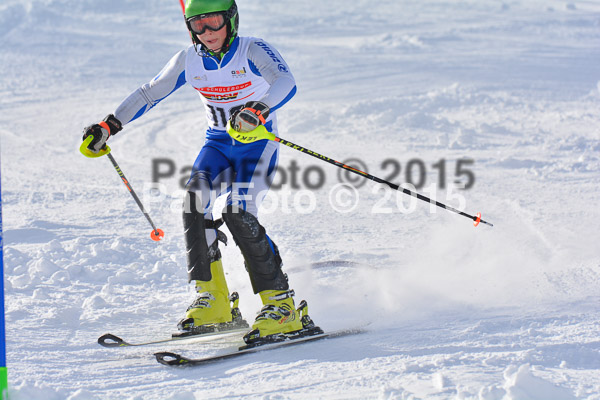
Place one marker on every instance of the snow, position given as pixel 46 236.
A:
pixel 453 311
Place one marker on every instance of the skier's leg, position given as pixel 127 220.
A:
pixel 261 255
pixel 263 264
pixel 210 176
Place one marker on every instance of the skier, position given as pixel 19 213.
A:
pixel 242 81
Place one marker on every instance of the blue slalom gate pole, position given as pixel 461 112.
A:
pixel 3 374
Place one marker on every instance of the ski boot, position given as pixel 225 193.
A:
pixel 211 310
pixel 279 320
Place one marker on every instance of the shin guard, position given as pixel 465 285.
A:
pixel 199 254
pixel 260 253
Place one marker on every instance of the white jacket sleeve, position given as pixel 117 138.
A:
pixel 273 68
pixel 171 78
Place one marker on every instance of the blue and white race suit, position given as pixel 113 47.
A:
pixel 252 70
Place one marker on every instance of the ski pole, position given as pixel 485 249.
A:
pixel 261 133
pixel 156 234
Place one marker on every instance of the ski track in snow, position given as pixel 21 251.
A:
pixel 509 312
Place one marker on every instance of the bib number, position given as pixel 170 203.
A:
pixel 219 114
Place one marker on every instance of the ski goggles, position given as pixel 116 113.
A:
pixel 200 23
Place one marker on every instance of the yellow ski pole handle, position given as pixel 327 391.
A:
pixel 261 133
pixel 90 154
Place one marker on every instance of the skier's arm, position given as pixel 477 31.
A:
pixel 171 78
pixel 266 61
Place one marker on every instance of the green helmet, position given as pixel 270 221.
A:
pixel 195 8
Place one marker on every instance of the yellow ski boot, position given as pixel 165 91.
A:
pixel 211 310
pixel 279 320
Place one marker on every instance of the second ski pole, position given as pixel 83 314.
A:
pixel 261 133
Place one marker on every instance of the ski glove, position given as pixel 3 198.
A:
pixel 101 132
pixel 250 117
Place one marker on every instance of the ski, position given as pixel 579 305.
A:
pixel 173 359
pixel 187 330
pixel 109 340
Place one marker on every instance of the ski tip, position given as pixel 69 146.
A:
pixel 110 340
pixel 167 358
pixel 157 235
